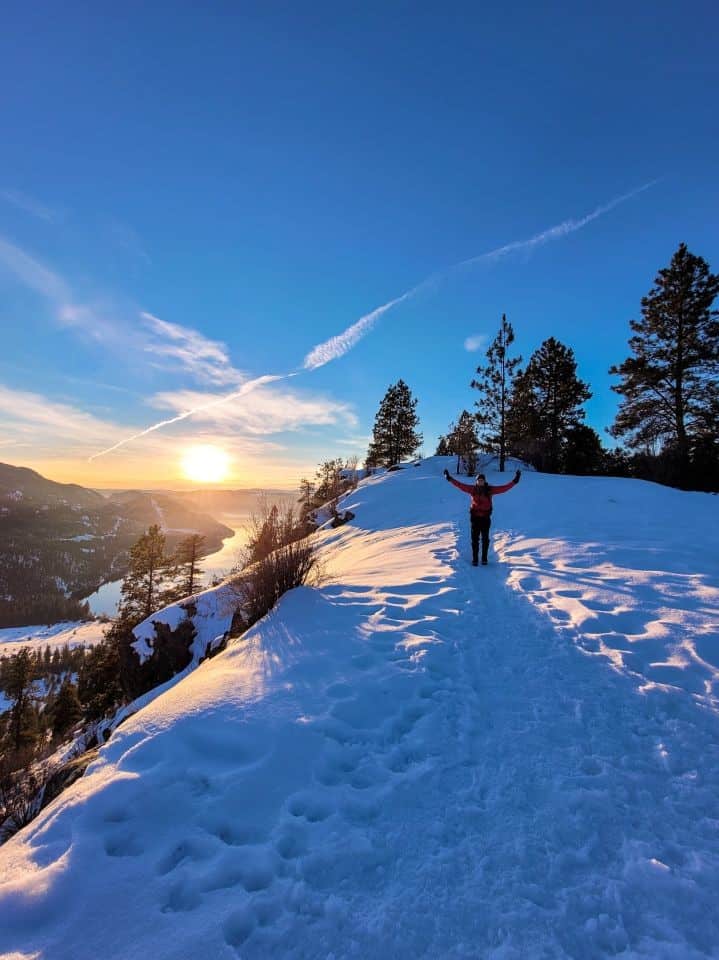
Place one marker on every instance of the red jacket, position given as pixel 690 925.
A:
pixel 481 504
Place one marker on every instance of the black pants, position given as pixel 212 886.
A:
pixel 480 525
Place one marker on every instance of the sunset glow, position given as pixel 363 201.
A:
pixel 205 464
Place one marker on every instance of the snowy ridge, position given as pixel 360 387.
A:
pixel 71 633
pixel 413 760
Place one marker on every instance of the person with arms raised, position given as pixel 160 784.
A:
pixel 480 511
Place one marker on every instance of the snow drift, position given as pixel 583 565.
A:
pixel 419 758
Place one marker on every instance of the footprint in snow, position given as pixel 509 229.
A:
pixel 182 898
pixel 292 842
pixel 312 807
pixel 123 845
pixel 186 850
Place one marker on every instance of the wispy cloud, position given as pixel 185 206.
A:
pixel 33 274
pixel 29 205
pixel 110 321
pixel 28 416
pixel 207 361
pixel 475 342
pixel 101 322
pixel 342 343
pixel 264 411
pixel 93 321
pixel 203 407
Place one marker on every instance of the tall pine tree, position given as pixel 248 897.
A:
pixel 66 710
pixel 495 382
pixel 395 434
pixel 19 679
pixel 144 590
pixel 546 405
pixel 185 567
pixel 670 384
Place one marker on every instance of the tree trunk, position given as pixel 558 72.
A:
pixel 502 440
pixel 679 411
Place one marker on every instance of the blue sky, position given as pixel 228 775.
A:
pixel 194 198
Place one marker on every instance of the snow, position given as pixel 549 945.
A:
pixel 68 633
pixel 418 759
pixel 212 616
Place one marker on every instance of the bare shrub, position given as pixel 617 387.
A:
pixel 261 584
pixel 273 526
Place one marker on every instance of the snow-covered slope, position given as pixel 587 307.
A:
pixel 73 634
pixel 420 758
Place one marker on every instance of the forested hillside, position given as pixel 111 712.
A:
pixel 59 542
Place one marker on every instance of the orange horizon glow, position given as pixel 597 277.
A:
pixel 160 473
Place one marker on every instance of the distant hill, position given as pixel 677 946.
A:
pixel 32 486
pixel 231 501
pixel 59 542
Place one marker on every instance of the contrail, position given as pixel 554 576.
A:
pixel 553 233
pixel 244 389
pixel 342 343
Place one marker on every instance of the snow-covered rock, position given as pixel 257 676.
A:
pixel 419 759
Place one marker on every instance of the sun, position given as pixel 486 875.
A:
pixel 205 463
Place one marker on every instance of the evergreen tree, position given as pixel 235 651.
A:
pixel 18 677
pixel 495 382
pixel 546 405
pixel 186 569
pixel 394 435
pixel 328 481
pixel 66 710
pixel 443 447
pixel 99 686
pixel 583 452
pixel 142 589
pixel 463 442
pixel 669 385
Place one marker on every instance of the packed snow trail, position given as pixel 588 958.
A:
pixel 415 761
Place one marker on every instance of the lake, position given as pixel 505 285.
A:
pixel 106 599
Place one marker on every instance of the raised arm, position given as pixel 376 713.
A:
pixel 506 486
pixel 465 487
